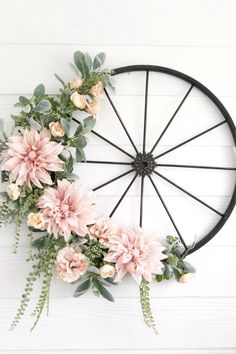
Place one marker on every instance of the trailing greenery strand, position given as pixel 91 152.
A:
pixel 44 266
pixel 4 212
pixel 146 306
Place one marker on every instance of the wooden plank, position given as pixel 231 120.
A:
pixel 160 23
pixel 54 59
pixel 197 323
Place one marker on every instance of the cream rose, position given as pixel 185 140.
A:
pixel 93 108
pixel 56 129
pixel 185 278
pixel 97 90
pixel 107 271
pixel 76 82
pixel 71 264
pixel 78 100
pixel 13 191
pixel 36 220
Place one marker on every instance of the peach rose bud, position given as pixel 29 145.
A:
pixel 93 108
pixel 185 278
pixel 76 82
pixel 107 271
pixel 13 191
pixel 35 220
pixel 56 129
pixel 97 90
pixel 78 100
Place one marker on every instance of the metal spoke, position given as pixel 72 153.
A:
pixel 168 213
pixel 106 140
pixel 171 119
pixel 197 166
pixel 188 140
pixel 123 195
pixel 113 180
pixel 108 162
pixel 141 202
pixel 188 193
pixel 121 121
pixel 145 112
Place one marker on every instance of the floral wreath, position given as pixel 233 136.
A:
pixel 69 238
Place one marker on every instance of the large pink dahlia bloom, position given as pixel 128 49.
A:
pixel 67 208
pixel 31 157
pixel 135 252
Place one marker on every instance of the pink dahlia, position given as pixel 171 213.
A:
pixel 135 252
pixel 31 157
pixel 67 208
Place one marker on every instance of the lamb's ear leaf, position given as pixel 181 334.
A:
pixel 43 106
pixel 102 290
pixel 99 60
pixel 79 61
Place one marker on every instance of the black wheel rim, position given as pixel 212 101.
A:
pixel 144 162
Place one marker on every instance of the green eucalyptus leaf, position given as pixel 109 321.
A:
pixel 66 125
pixel 167 272
pixel 102 290
pixel 43 106
pixel 82 288
pixel 172 260
pixel 39 90
pixel 159 278
pixel 188 268
pixel 80 155
pixel 24 101
pixel 26 108
pixel 80 141
pixel 89 124
pixel 69 165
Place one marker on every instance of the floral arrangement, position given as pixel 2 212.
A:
pixel 65 234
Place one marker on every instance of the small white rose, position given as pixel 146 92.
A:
pixel 93 108
pixel 107 271
pixel 56 129
pixel 76 82
pixel 13 191
pixel 97 90
pixel 185 278
pixel 78 100
pixel 36 220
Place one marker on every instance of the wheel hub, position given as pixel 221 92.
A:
pixel 144 164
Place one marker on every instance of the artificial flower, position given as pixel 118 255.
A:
pixel 67 208
pixel 135 252
pixel 185 278
pixel 107 271
pixel 97 90
pixel 13 191
pixel 102 229
pixel 78 100
pixel 31 157
pixel 56 129
pixel 71 264
pixel 76 82
pixel 93 108
pixel 35 220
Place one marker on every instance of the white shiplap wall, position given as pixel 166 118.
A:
pixel 196 37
